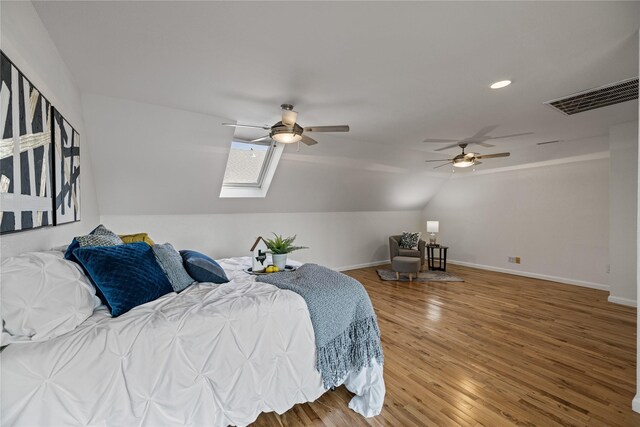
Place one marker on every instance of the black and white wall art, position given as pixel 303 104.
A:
pixel 25 152
pixel 66 170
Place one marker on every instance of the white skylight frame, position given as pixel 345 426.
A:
pixel 261 187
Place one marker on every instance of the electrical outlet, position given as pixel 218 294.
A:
pixel 514 259
pixel 517 260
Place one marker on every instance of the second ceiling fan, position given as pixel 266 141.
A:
pixel 287 131
pixel 481 137
pixel 465 160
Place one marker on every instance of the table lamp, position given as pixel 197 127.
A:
pixel 432 229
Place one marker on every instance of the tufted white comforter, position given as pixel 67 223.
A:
pixel 213 355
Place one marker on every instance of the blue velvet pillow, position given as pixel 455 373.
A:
pixel 126 275
pixel 202 268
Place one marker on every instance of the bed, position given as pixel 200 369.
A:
pixel 212 355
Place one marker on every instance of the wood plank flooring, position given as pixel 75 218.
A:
pixel 496 350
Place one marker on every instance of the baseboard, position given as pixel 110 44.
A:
pixel 635 403
pixel 365 265
pixel 623 301
pixel 564 280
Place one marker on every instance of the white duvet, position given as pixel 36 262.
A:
pixel 212 355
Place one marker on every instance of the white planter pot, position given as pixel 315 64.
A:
pixel 279 260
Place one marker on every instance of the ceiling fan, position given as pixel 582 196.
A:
pixel 287 131
pixel 479 138
pixel 465 160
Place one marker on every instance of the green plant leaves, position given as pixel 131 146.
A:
pixel 279 245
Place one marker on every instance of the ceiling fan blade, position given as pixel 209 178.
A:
pixel 246 126
pixel 308 141
pixel 483 132
pixel 484 144
pixel 447 147
pixel 448 163
pixel 340 128
pixel 262 138
pixel 510 136
pixel 440 140
pixel 548 142
pixel 492 156
pixel 441 160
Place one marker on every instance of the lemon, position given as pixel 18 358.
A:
pixel 269 269
pixel 275 269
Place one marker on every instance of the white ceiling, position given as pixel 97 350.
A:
pixel 397 72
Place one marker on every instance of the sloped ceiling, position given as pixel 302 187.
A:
pixel 397 72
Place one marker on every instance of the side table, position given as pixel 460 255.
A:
pixel 437 263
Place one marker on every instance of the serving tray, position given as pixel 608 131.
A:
pixel 287 268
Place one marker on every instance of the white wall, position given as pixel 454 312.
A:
pixel 556 218
pixel 623 212
pixel 26 42
pixel 340 240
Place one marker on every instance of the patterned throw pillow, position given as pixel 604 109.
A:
pixel 98 240
pixel 99 236
pixel 409 240
pixel 171 262
pixel 101 230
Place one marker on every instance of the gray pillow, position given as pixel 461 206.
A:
pixel 99 240
pixel 100 236
pixel 171 262
pixel 101 230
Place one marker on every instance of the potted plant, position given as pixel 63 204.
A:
pixel 279 248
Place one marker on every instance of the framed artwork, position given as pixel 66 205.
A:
pixel 66 170
pixel 25 152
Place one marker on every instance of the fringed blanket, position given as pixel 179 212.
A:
pixel 344 323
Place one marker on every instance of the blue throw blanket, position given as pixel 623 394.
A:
pixel 344 323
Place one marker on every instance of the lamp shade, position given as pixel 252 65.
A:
pixel 286 137
pixel 433 226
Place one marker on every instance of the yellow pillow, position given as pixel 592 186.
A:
pixel 138 237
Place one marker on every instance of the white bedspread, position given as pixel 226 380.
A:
pixel 213 355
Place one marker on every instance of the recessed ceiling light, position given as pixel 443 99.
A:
pixel 500 84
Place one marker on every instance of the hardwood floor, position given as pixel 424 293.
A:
pixel 496 350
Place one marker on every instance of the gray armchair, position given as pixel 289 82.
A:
pixel 395 250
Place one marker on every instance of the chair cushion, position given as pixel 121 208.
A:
pixel 409 252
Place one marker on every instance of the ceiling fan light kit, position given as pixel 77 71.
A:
pixel 464 160
pixel 287 131
pixel 286 134
pixel 288 115
pixel 463 163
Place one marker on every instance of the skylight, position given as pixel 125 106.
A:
pixel 250 168
pixel 246 163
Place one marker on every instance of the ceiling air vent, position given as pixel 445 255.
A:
pixel 613 93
